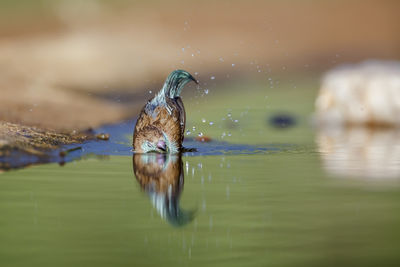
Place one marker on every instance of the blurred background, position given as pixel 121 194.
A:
pixel 300 101
pixel 70 65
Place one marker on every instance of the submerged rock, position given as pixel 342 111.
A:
pixel 103 136
pixel 203 138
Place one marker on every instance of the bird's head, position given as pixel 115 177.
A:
pixel 155 142
pixel 176 81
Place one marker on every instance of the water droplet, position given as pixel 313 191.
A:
pixel 192 55
pixel 150 91
pixel 204 205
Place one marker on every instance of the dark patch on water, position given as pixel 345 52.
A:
pixel 17 159
pixel 282 120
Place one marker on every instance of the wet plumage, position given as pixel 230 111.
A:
pixel 161 124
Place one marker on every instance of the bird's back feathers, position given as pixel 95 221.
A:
pixel 166 113
pixel 168 118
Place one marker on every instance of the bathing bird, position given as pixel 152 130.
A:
pixel 161 124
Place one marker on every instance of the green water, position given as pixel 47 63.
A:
pixel 279 208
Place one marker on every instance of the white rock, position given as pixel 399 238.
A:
pixel 365 94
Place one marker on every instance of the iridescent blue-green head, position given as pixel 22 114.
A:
pixel 175 82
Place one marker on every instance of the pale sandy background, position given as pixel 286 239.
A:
pixel 70 65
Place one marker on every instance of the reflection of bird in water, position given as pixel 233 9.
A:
pixel 161 123
pixel 161 177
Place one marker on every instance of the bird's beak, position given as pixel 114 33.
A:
pixel 161 145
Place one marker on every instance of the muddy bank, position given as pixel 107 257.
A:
pixel 35 140
pixel 18 141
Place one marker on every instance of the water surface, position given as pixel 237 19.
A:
pixel 259 202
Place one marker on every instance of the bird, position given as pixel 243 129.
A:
pixel 160 126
